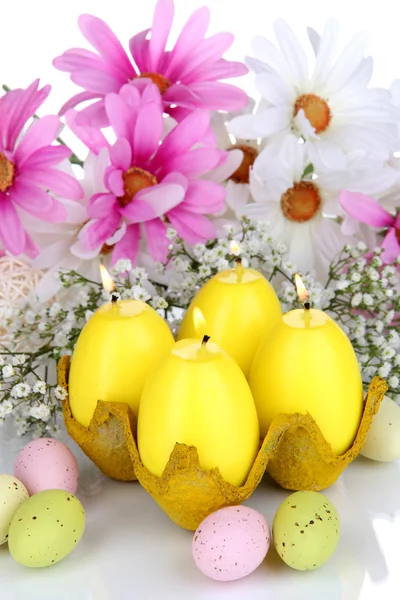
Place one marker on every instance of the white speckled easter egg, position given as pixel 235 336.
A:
pixel 383 440
pixel 46 528
pixel 47 464
pixel 231 543
pixel 306 530
pixel 12 494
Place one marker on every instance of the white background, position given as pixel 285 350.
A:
pixel 33 32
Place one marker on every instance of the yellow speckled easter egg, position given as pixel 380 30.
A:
pixel 306 530
pixel 46 528
pixel 12 494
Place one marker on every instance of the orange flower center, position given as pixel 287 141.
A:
pixel 161 82
pixel 135 179
pixel 301 202
pixel 242 173
pixel 316 110
pixel 106 249
pixel 7 173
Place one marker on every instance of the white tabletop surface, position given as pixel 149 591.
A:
pixel 132 551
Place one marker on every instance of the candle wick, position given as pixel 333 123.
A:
pixel 307 305
pixel 239 268
pixel 205 340
pixel 114 297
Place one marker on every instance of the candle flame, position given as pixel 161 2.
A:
pixel 301 288
pixel 106 279
pixel 234 248
pixel 199 321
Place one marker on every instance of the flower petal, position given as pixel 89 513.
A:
pixel 157 241
pixel 346 64
pixel 121 154
pixel 37 202
pixel 222 69
pixel 122 118
pixel 42 132
pixel 266 123
pixel 162 23
pixel 95 81
pixel 138 46
pixel 100 205
pixel 204 197
pixel 77 99
pixel 365 209
pixel 207 52
pixel 51 255
pixel 77 58
pixel 324 155
pixel 223 171
pixel 191 35
pixel 128 247
pixel 49 156
pixel 115 182
pixel 391 246
pixel 293 53
pixel 196 162
pixel 24 104
pixel 103 39
pixel 94 115
pixel 12 233
pixel 162 197
pixel 191 227
pixel 96 232
pixel 148 132
pixel 219 96
pixel 184 136
pixel 59 183
pixel 92 137
pixel 137 211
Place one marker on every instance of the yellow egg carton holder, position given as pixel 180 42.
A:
pixel 294 453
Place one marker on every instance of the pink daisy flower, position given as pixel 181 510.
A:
pixel 369 211
pixel 188 76
pixel 150 179
pixel 27 168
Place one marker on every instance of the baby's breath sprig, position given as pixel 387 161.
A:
pixel 361 294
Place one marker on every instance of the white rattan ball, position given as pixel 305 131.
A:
pixel 17 281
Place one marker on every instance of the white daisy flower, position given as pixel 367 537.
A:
pixel 299 208
pixel 332 108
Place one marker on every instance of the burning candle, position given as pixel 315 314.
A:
pixel 114 354
pixel 306 363
pixel 198 396
pixel 240 307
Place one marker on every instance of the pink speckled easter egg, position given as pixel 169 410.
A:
pixel 231 543
pixel 47 464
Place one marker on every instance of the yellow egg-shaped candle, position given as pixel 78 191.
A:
pixel 239 306
pixel 307 364
pixel 198 396
pixel 113 356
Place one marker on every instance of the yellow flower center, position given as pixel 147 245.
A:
pixel 161 82
pixel 316 110
pixel 135 179
pixel 301 202
pixel 242 173
pixel 7 173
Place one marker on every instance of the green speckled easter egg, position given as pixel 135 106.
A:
pixel 306 530
pixel 46 528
